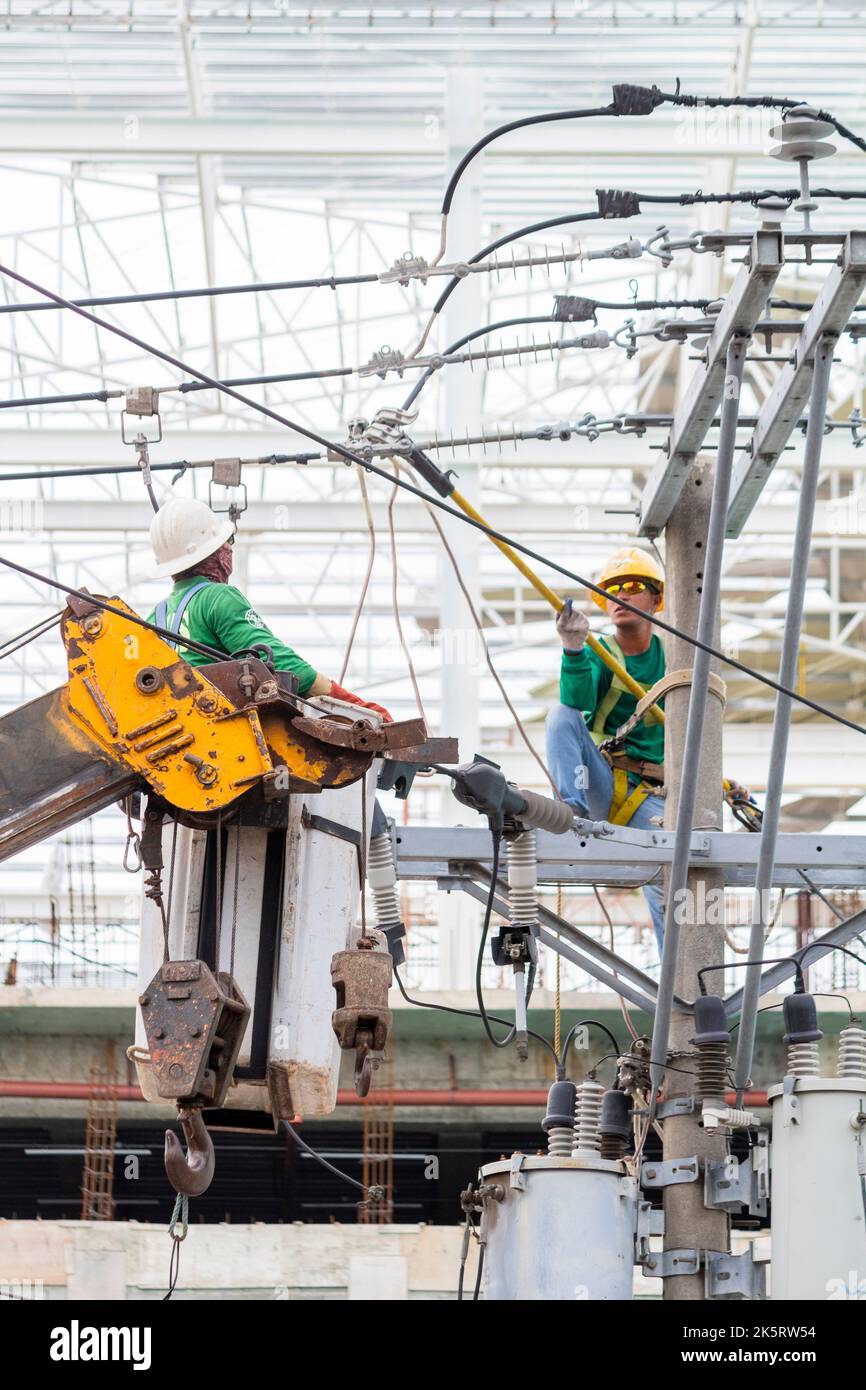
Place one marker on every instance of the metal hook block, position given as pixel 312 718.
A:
pixel 195 1022
pixel 191 1173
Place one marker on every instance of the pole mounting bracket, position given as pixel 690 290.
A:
pixel 671 1172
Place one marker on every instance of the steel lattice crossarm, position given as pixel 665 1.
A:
pixel 625 856
pixel 781 412
pixel 460 859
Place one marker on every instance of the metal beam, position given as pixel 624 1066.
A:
pixel 147 135
pixel 300 516
pixel 604 965
pixel 782 409
pixel 438 852
pixel 742 309
pixel 836 936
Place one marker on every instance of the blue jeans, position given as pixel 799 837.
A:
pixel 585 781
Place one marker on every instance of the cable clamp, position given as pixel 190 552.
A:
pixel 386 360
pixel 226 473
pixel 406 267
pixel 143 403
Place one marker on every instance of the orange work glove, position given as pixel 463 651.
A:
pixel 339 693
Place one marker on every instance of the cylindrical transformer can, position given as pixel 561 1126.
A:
pixel 563 1229
pixel 817 1224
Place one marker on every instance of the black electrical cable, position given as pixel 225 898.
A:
pixel 631 101
pixel 754 195
pixel 782 103
pixel 816 994
pixel 496 836
pixel 185 387
pixel 179 466
pixel 741 965
pixel 338 1172
pixel 9 649
pixel 497 245
pixel 33 402
pixel 163 632
pixel 331 282
pixel 468 338
pixel 480 1271
pixel 30 633
pixel 74 398
pixel 828 946
pixel 585 1022
pixel 467 1013
pixel 460 169
pixel 351 457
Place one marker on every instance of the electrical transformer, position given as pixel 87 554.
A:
pixel 818 1164
pixel 560 1228
pixel 564 1225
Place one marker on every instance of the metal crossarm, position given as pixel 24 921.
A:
pixel 783 407
pixel 742 308
pixel 836 936
pixel 604 965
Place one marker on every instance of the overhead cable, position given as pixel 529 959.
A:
pixel 351 457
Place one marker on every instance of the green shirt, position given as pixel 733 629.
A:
pixel 585 680
pixel 220 616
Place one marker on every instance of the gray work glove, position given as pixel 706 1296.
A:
pixel 572 626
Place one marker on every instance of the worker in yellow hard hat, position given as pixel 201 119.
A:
pixel 605 768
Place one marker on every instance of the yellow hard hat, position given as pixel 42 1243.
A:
pixel 632 563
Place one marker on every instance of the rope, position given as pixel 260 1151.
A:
pixel 365 586
pixel 395 602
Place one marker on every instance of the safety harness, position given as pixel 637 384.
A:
pixel 625 802
pixel 160 613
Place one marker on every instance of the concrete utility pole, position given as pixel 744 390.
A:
pixel 689 1224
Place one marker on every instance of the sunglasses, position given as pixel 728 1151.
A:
pixel 629 587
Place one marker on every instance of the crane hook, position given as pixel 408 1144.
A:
pixel 189 1173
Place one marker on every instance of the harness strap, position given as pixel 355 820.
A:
pixel 161 610
pixel 671 681
pixel 611 696
pixel 624 803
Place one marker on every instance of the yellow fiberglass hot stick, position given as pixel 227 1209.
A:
pixel 556 603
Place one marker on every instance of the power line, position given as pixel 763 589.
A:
pixel 343 452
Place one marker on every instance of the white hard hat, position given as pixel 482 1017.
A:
pixel 185 531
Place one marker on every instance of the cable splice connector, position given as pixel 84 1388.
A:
pixel 617 202
pixel 573 308
pixel 629 100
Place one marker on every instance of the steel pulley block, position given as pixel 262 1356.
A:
pixel 195 1022
pixel 362 1021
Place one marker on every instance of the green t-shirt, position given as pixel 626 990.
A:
pixel 220 616
pixel 585 680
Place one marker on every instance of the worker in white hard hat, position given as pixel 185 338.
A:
pixel 605 764
pixel 193 546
